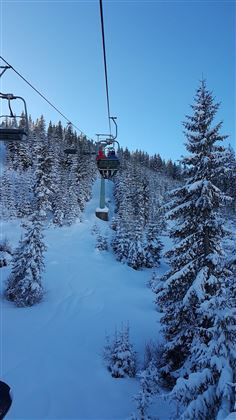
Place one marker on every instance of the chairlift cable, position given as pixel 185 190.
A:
pixel 50 103
pixel 105 64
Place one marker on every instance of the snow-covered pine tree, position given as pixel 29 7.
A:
pixel 196 276
pixel 121 241
pixel 12 148
pixel 72 209
pixel 59 204
pixel 148 383
pixel 119 355
pixel 43 186
pixel 24 286
pixel 156 163
pixel 152 245
pixel 207 390
pixel 148 388
pixel 55 154
pixel 136 255
pixel 24 152
pixel 154 228
pixel 101 241
pixel 138 220
pixel 8 204
pixel 23 194
pixel 123 232
pixel 85 175
pixel 228 181
pixel 60 200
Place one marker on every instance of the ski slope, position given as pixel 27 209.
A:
pixel 51 354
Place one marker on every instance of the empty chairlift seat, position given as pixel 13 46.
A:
pixel 8 131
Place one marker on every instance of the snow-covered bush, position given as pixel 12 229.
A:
pixel 101 243
pixel 95 229
pixel 119 355
pixel 148 383
pixel 148 388
pixel 5 252
pixel 101 239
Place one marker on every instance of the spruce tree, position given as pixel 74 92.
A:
pixel 136 255
pixel 148 388
pixel 24 286
pixel 43 186
pixel 101 242
pixel 207 391
pixel 193 284
pixel 152 245
pixel 8 202
pixel 228 181
pixel 119 355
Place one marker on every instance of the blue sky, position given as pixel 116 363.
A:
pixel 157 52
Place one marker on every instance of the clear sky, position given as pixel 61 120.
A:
pixel 157 51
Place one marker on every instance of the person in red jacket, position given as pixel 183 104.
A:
pixel 100 155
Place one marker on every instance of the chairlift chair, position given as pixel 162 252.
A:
pixel 108 164
pixel 69 150
pixel 14 133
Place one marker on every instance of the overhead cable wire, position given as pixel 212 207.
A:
pixel 44 97
pixel 105 64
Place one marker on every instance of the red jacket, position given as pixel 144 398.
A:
pixel 100 155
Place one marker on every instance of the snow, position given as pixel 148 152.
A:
pixel 104 209
pixel 231 416
pixel 51 353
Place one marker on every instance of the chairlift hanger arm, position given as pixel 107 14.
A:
pixel 9 97
pixel 114 121
pixel 4 68
pixel 109 137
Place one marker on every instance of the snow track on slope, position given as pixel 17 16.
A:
pixel 52 352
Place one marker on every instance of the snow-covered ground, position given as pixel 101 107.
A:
pixel 51 354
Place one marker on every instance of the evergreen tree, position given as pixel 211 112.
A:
pixel 227 182
pixel 8 203
pixel 196 277
pixel 148 388
pixel 207 391
pixel 43 186
pixel 153 245
pixel 119 355
pixel 121 241
pixel 156 163
pixel 148 383
pixel 138 221
pixel 24 286
pixel 72 209
pixel 101 242
pixel 136 255
pixel 22 194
